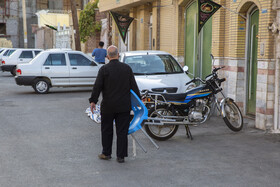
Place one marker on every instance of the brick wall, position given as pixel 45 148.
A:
pixel 229 43
pixel 93 41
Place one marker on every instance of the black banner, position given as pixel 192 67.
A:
pixel 123 23
pixel 206 8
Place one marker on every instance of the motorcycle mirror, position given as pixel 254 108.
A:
pixel 213 59
pixel 186 69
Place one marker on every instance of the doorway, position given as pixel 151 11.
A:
pixel 252 60
pixel 197 45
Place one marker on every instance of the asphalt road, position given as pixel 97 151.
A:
pixel 47 140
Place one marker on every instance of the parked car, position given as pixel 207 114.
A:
pixel 1 49
pixel 157 71
pixel 57 68
pixel 6 52
pixel 19 56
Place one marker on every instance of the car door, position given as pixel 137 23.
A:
pixel 56 69
pixel 25 57
pixel 83 71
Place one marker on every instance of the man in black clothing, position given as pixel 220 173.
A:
pixel 114 80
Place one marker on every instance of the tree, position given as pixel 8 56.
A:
pixel 87 23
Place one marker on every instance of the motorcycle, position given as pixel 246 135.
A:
pixel 168 111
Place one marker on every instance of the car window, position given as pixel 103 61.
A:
pixel 78 60
pixel 153 64
pixel 1 51
pixel 6 53
pixel 37 52
pixel 26 54
pixel 55 60
pixel 10 52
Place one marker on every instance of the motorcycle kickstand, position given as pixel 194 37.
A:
pixel 188 132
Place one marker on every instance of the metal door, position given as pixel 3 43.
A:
pixel 252 61
pixel 82 70
pixel 197 46
pixel 56 68
pixel 206 45
pixel 190 37
pixel 25 57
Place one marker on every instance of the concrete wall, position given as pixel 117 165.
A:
pixel 10 17
pixel 31 18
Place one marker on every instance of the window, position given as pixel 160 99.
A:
pixel 26 54
pixel 55 5
pixel 79 60
pixel 37 52
pixel 2 28
pixel 10 52
pixel 55 60
pixel 6 53
pixel 2 4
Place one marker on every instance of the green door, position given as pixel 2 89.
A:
pixel 190 37
pixel 252 62
pixel 206 45
pixel 197 46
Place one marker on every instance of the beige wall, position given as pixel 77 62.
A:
pixel 106 5
pixel 53 19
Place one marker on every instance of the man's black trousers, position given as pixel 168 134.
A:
pixel 122 121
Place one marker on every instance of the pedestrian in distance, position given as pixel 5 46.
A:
pixel 114 80
pixel 99 53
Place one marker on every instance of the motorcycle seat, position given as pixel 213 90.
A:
pixel 174 96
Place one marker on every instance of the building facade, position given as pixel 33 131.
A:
pixel 240 35
pixel 11 18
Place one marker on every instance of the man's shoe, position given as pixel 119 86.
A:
pixel 120 160
pixel 104 157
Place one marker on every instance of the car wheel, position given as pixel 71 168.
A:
pixel 41 86
pixel 13 72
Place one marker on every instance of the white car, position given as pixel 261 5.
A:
pixel 157 71
pixel 57 68
pixel 4 54
pixel 19 56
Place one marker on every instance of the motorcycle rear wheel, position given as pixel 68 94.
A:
pixel 160 132
pixel 233 117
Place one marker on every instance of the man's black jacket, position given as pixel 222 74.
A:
pixel 114 80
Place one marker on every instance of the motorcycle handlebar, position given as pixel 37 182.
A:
pixel 195 79
pixel 222 80
pixel 217 69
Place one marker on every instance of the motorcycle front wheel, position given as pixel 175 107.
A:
pixel 160 132
pixel 233 117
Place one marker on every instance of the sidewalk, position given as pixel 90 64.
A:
pixel 215 157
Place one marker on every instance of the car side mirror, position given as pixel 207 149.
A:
pixel 186 69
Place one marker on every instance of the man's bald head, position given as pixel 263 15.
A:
pixel 113 52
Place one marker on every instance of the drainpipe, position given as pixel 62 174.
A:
pixel 275 29
pixel 158 25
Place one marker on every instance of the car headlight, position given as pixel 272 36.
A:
pixel 190 86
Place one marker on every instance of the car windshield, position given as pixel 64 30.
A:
pixel 153 64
